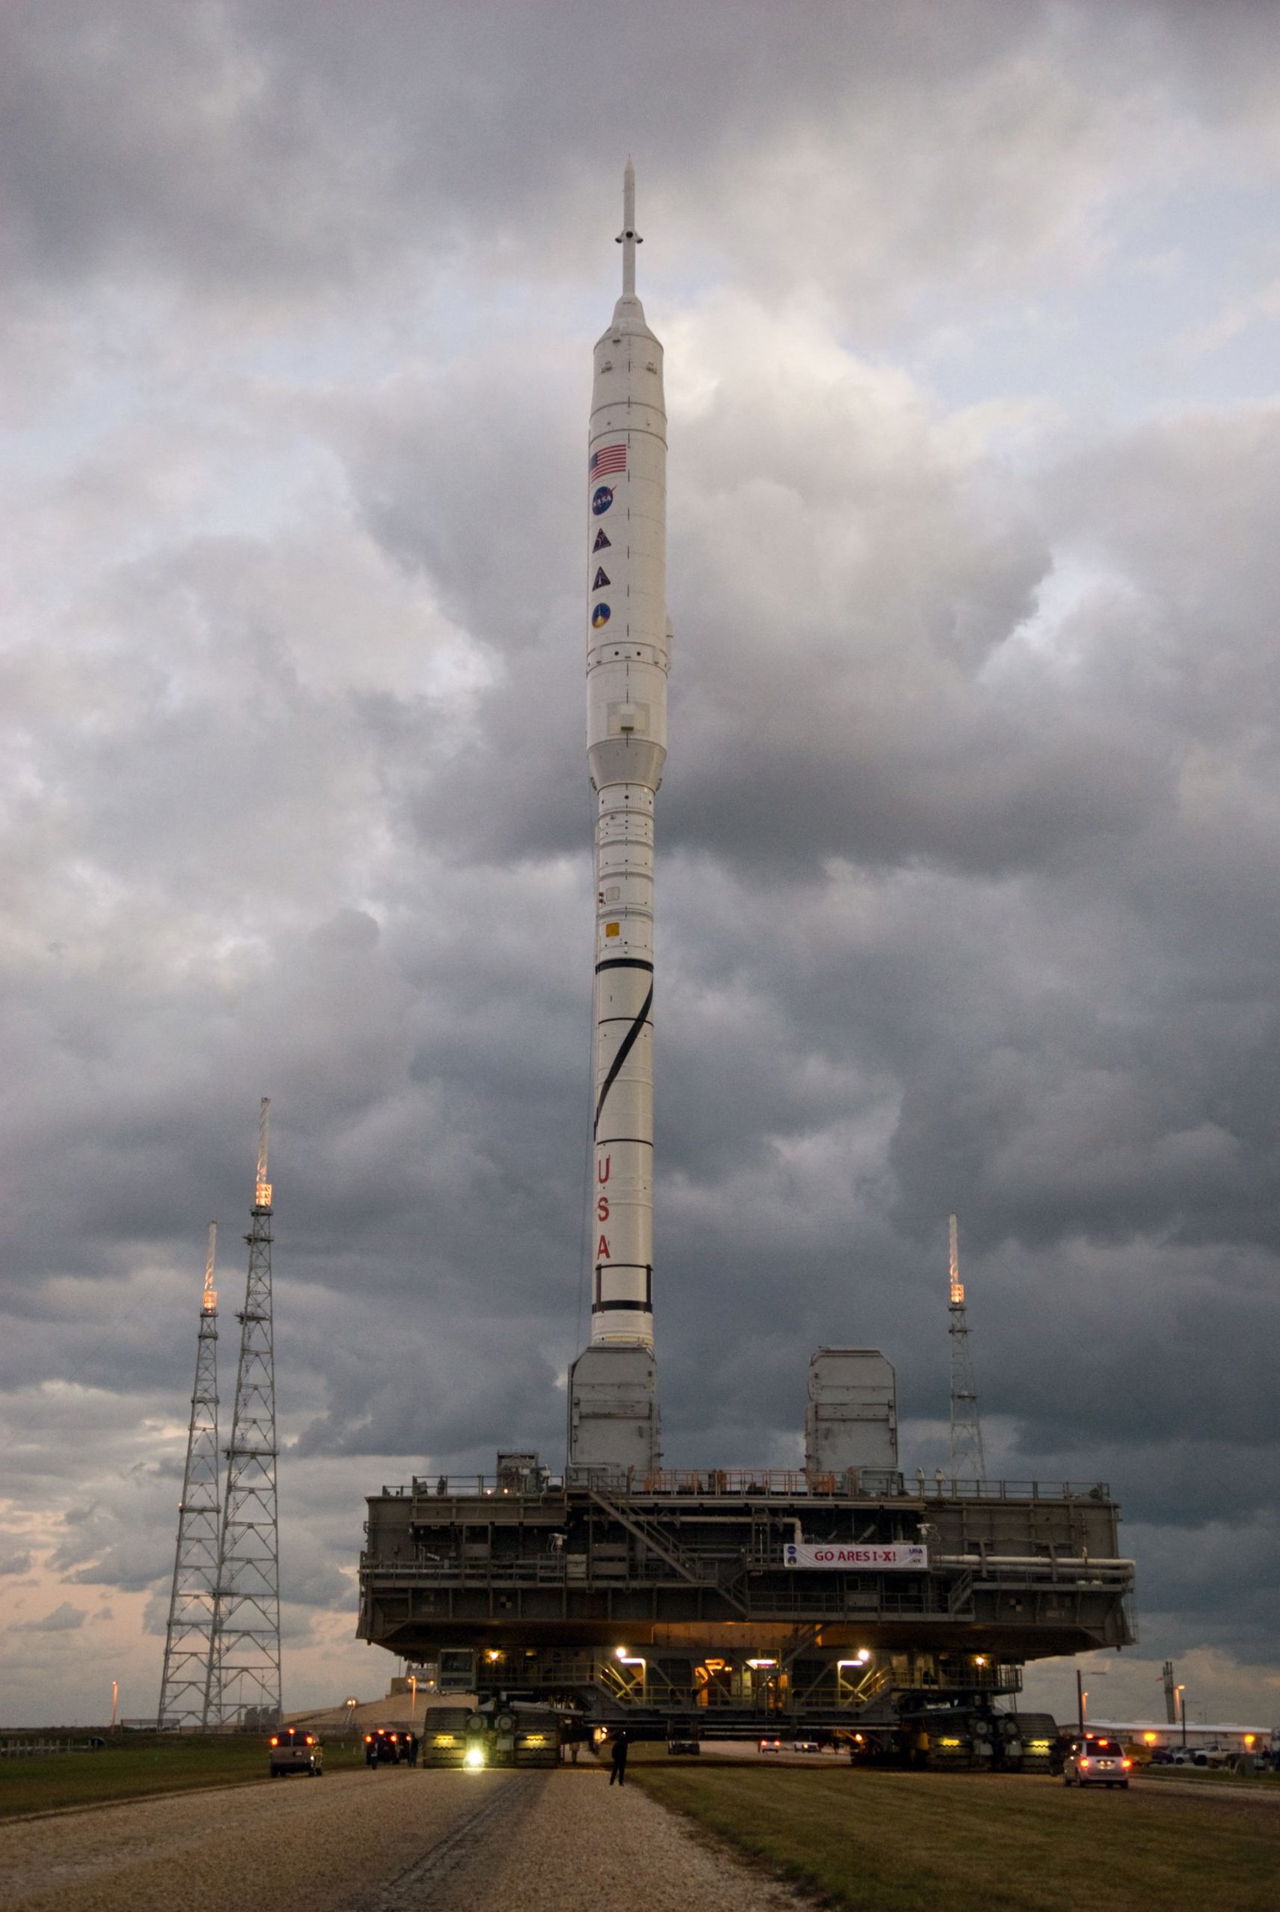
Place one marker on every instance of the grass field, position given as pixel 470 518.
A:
pixel 940 1842
pixel 130 1769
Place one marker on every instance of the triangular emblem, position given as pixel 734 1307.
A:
pixel 600 579
pixel 601 542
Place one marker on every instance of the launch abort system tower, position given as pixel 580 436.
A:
pixel 840 1597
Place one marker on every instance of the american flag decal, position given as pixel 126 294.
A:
pixel 608 458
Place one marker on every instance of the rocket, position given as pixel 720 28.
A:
pixel 626 748
pixel 628 646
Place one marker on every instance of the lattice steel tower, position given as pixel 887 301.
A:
pixel 244 1666
pixel 967 1461
pixel 188 1641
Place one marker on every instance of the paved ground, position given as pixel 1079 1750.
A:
pixel 390 1841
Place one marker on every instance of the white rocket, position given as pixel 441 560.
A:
pixel 613 1412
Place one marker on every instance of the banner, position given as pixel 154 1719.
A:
pixel 900 1557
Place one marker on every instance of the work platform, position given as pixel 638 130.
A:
pixel 747 1597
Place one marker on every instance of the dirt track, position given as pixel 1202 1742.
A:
pixel 392 1841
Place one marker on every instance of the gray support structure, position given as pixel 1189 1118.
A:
pixel 188 1643
pixel 244 1668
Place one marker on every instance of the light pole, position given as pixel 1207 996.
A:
pixel 1081 1697
pixel 115 1701
pixel 413 1697
pixel 1182 1709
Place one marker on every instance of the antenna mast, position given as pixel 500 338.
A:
pixel 188 1640
pixel 967 1461
pixel 244 1664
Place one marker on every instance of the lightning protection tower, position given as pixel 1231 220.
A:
pixel 967 1462
pixel 244 1666
pixel 1170 1693
pixel 189 1636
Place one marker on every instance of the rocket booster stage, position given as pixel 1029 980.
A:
pixel 627 644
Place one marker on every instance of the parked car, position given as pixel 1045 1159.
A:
pixel 805 1746
pixel 770 1745
pixel 1095 1761
pixel 293 1751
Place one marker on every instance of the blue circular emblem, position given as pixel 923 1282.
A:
pixel 600 615
pixel 601 499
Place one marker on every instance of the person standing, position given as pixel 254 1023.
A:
pixel 619 1760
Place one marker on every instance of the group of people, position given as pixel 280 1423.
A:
pixel 391 1749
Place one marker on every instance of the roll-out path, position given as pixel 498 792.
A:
pixel 389 1841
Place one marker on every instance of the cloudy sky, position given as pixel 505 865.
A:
pixel 967 875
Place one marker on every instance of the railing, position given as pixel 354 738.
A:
pixel 804 1595
pixel 738 1483
pixel 940 1487
pixel 960 1594
pixel 541 1570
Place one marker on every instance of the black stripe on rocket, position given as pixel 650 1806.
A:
pixel 625 1047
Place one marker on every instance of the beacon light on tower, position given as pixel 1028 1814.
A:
pixel 613 1408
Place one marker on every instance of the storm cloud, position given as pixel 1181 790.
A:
pixel 967 885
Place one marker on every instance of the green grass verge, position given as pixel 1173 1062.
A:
pixel 940 1842
pixel 131 1769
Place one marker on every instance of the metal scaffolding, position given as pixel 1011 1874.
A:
pixel 967 1460
pixel 184 1684
pixel 244 1666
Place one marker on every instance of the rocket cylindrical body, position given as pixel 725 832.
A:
pixel 627 660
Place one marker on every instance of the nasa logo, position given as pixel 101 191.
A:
pixel 601 499
pixel 601 615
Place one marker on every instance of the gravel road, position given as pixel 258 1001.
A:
pixel 390 1841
